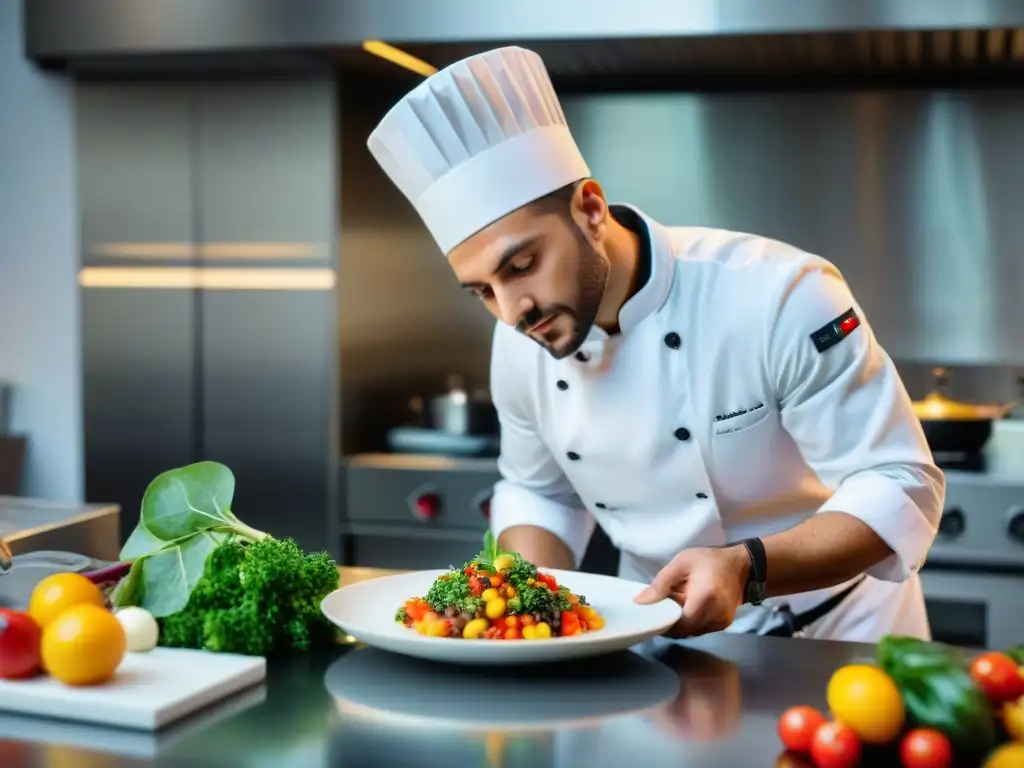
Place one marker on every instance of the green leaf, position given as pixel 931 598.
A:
pixel 189 499
pixel 140 544
pixel 169 575
pixel 129 591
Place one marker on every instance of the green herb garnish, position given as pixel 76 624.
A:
pixel 401 616
pixel 452 589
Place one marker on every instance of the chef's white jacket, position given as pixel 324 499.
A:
pixel 713 416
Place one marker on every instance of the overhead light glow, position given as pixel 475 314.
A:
pixel 398 57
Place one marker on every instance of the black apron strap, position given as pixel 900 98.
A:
pixel 794 623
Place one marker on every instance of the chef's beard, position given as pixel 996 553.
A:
pixel 592 278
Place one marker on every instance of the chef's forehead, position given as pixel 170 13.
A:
pixel 491 248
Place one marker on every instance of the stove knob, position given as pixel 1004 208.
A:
pixel 482 503
pixel 952 523
pixel 1016 525
pixel 426 506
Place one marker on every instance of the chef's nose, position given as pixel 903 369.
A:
pixel 512 305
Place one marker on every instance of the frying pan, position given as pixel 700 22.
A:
pixel 952 426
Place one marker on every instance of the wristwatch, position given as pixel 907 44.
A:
pixel 757 579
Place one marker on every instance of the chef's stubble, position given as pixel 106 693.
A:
pixel 592 278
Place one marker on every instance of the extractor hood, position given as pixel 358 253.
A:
pixel 581 40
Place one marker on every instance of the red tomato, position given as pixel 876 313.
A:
pixel 925 748
pixel 569 624
pixel 835 746
pixel 475 587
pixel 20 643
pixel 997 675
pixel 797 726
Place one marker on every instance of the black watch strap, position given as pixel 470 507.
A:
pixel 757 580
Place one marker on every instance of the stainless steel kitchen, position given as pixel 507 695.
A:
pixel 254 313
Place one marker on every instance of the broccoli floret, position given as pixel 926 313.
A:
pixel 260 598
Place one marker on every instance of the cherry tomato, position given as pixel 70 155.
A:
pixel 925 748
pixel 20 643
pixel 513 633
pixel 797 726
pixel 835 746
pixel 496 580
pixel 997 675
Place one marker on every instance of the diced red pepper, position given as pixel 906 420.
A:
pixel 475 587
pixel 548 581
pixel 416 609
pixel 569 624
pixel 494 633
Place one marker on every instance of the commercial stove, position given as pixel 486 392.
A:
pixel 974 575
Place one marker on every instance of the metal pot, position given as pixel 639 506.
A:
pixel 952 426
pixel 458 412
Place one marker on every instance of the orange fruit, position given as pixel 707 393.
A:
pixel 83 646
pixel 60 591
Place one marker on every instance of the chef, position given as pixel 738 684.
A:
pixel 715 401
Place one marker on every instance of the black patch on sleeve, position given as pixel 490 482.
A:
pixel 832 333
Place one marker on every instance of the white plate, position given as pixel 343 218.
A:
pixel 366 611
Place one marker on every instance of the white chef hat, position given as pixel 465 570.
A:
pixel 476 141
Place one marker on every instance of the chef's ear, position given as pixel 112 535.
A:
pixel 590 209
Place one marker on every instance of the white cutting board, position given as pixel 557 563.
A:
pixel 148 691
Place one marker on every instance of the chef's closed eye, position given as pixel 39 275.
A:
pixel 732 421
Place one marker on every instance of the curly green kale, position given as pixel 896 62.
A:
pixel 260 598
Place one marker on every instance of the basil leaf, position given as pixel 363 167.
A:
pixel 168 576
pixel 140 544
pixel 187 500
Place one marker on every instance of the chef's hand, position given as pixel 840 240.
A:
pixel 707 582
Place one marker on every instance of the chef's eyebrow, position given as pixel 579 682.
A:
pixel 508 254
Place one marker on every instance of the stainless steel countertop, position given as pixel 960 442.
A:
pixel 712 701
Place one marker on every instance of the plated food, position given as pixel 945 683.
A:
pixel 583 614
pixel 498 595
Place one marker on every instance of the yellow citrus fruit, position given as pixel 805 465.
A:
pixel 868 701
pixel 60 591
pixel 83 646
pixel 1007 756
